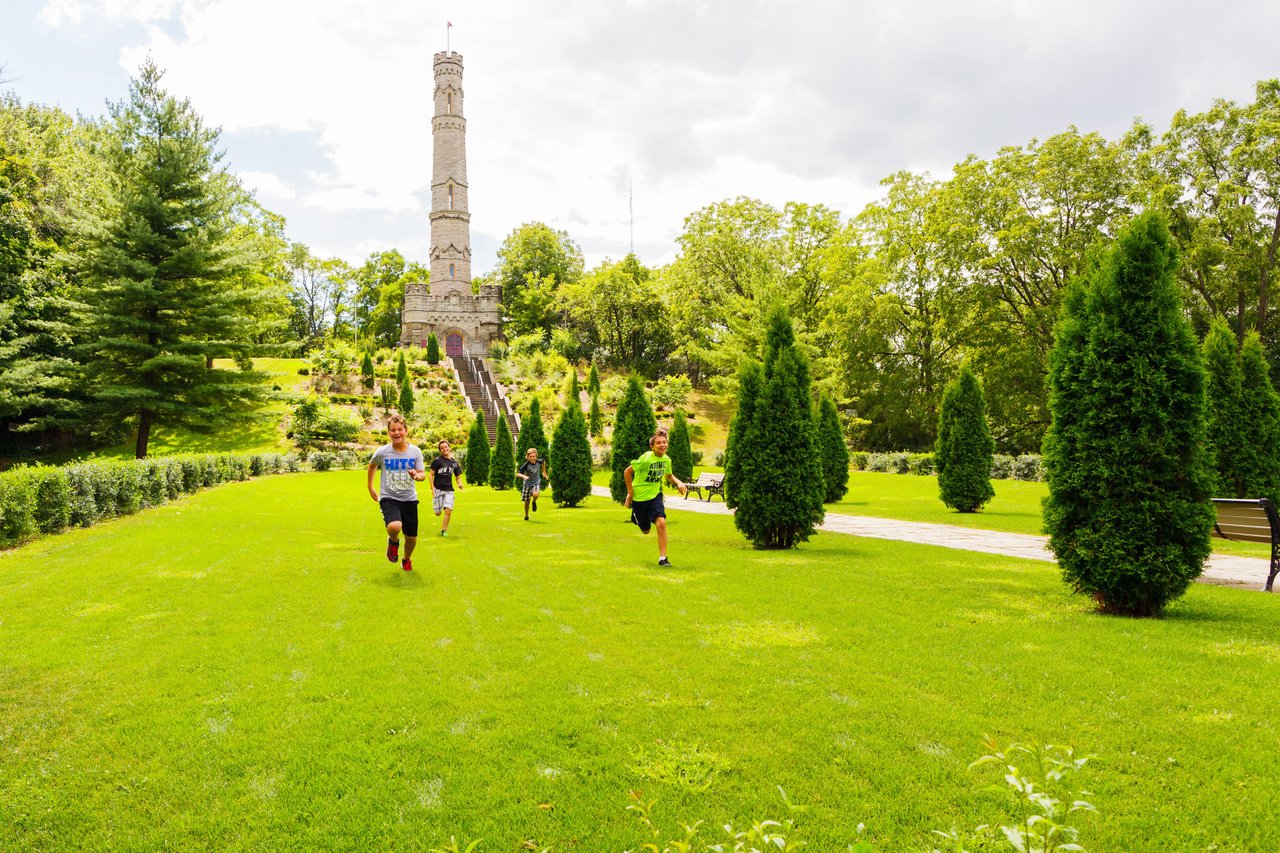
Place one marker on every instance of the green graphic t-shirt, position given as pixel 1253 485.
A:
pixel 648 472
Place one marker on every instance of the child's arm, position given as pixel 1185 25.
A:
pixel 457 476
pixel 628 474
pixel 671 478
pixel 373 493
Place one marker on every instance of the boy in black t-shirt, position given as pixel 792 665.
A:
pixel 444 470
pixel 532 471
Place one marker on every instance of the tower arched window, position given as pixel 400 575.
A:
pixel 451 196
pixel 449 104
pixel 451 271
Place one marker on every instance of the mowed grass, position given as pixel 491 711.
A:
pixel 243 670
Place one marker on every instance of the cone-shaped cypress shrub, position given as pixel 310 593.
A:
pixel 366 370
pixel 1260 417
pixel 679 449
pixel 632 426
pixel 476 468
pixel 593 380
pixel 835 453
pixel 964 449
pixel 595 424
pixel 433 349
pixel 1128 511
pixel 532 434
pixel 780 510
pixel 502 464
pixel 406 399
pixel 750 378
pixel 1225 432
pixel 570 458
pixel 402 369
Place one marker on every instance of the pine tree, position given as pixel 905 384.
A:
pixel 433 349
pixel 165 274
pixel 593 380
pixel 679 449
pixel 570 458
pixel 632 426
pixel 964 450
pixel 477 467
pixel 835 453
pixel 532 433
pixel 366 370
pixel 502 464
pixel 596 422
pixel 1128 511
pixel 1260 416
pixel 572 389
pixel 406 399
pixel 750 379
pixel 780 511
pixel 1226 434
pixel 402 369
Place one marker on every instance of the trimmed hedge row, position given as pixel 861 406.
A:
pixel 40 499
pixel 1028 467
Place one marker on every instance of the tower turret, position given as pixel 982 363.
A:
pixel 450 212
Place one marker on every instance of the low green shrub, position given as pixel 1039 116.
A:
pixel 922 463
pixel 322 460
pixel 1028 467
pixel 17 507
pixel 1001 467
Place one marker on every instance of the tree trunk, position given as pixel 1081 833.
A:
pixel 144 434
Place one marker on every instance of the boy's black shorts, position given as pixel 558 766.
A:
pixel 645 513
pixel 405 512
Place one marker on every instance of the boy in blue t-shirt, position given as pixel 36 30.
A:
pixel 645 497
pixel 401 465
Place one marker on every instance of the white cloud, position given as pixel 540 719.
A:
pixel 266 185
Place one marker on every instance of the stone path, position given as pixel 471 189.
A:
pixel 1223 569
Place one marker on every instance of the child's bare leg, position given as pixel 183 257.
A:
pixel 661 524
pixel 393 530
pixel 526 507
pixel 409 543
pixel 446 514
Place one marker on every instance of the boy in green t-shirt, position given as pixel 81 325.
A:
pixel 645 497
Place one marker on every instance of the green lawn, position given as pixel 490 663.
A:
pixel 242 670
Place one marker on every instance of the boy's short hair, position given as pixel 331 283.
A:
pixel 654 437
pixel 397 419
pixel 442 441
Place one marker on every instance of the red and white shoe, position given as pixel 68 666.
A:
pixel 407 565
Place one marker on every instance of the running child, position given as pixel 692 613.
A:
pixel 645 497
pixel 401 465
pixel 533 471
pixel 445 469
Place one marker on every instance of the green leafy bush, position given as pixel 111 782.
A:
pixel 631 430
pixel 835 454
pixel 679 450
pixel 476 468
pixel 965 447
pixel 502 464
pixel 570 458
pixel 322 461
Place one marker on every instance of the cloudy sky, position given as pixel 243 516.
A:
pixel 325 104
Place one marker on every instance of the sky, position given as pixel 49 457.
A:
pixel 613 120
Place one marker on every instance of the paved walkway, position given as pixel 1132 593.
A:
pixel 1221 569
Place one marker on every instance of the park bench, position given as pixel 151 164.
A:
pixel 712 484
pixel 1250 520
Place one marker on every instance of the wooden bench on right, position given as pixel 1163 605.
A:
pixel 1250 520
pixel 712 484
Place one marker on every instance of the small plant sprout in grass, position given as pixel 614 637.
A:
pixel 761 836
pixel 452 846
pixel 1047 794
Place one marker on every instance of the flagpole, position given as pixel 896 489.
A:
pixel 448 31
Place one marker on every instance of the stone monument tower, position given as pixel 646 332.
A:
pixel 464 323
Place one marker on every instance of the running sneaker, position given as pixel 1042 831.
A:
pixel 393 550
pixel 535 504
pixel 406 564
pixel 663 561
pixel 444 533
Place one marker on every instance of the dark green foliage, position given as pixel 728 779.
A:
pixel 406 398
pixel 1128 511
pixel 433 349
pixel 387 394
pixel 166 280
pixel 679 449
pixel 595 423
pixel 835 453
pixel 366 370
pixel 750 378
pixel 965 448
pixel 573 393
pixel 781 489
pixel 532 433
pixel 502 463
pixel 632 426
pixel 570 458
pixel 477 465
pixel 1225 433
pixel 402 369
pixel 1259 465
pixel 593 380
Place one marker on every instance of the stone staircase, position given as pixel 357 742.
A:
pixel 482 393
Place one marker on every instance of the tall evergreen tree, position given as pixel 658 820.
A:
pixel 406 399
pixel 1260 413
pixel 835 453
pixel 679 449
pixel 1225 432
pixel 162 268
pixel 570 458
pixel 750 380
pixel 965 449
pixel 502 464
pixel 593 380
pixel 477 464
pixel 366 371
pixel 780 511
pixel 632 426
pixel 573 389
pixel 402 369
pixel 595 423
pixel 532 433
pixel 433 349
pixel 1128 511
